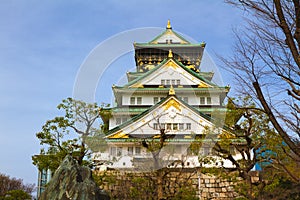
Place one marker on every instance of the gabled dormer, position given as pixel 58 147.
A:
pixel 169 37
pixel 174 115
pixel 170 72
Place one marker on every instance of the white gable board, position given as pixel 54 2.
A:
pixel 170 71
pixel 169 38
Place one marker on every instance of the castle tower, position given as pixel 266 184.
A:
pixel 169 92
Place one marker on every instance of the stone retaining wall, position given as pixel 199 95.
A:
pixel 137 185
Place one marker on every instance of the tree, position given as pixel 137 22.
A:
pixel 16 195
pixel 70 134
pixel 162 151
pixel 252 140
pixel 267 64
pixel 13 187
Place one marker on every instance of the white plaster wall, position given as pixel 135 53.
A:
pixel 169 37
pixel 171 73
pixel 193 100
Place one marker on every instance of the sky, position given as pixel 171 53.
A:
pixel 44 45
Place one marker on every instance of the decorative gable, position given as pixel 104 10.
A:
pixel 176 117
pixel 170 73
pixel 169 37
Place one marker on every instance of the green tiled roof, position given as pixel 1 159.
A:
pixel 235 140
pixel 133 75
pixel 142 109
pixel 177 90
pixel 166 45
pixel 169 31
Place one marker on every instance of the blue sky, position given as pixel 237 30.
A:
pixel 44 43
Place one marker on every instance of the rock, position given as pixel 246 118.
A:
pixel 72 181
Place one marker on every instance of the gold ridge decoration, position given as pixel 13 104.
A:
pixel 171 63
pixel 169 25
pixel 226 135
pixel 171 91
pixel 172 103
pixel 170 54
pixel 202 85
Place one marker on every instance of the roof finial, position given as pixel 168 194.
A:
pixel 170 54
pixel 171 91
pixel 169 25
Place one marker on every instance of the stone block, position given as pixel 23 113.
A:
pixel 218 189
pixel 223 195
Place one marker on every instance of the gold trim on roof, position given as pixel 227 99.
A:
pixel 171 91
pixel 119 135
pixel 173 103
pixel 170 54
pixel 169 25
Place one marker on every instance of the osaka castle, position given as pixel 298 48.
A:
pixel 167 106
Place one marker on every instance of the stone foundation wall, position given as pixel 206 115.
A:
pixel 137 185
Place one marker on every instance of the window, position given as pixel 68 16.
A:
pixel 202 100
pixel 138 150
pixel 119 151
pixel 169 126
pixel 113 151
pixel 155 100
pixel 188 126
pixel 118 121
pixel 172 126
pixel 206 151
pixel 124 119
pixel 181 126
pixel 132 100
pixel 170 82
pixel 186 99
pixel 155 126
pixel 130 151
pixel 208 100
pixel 175 126
pixel 139 100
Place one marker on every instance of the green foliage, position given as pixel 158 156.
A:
pixel 16 195
pixel 73 134
pixel 258 143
